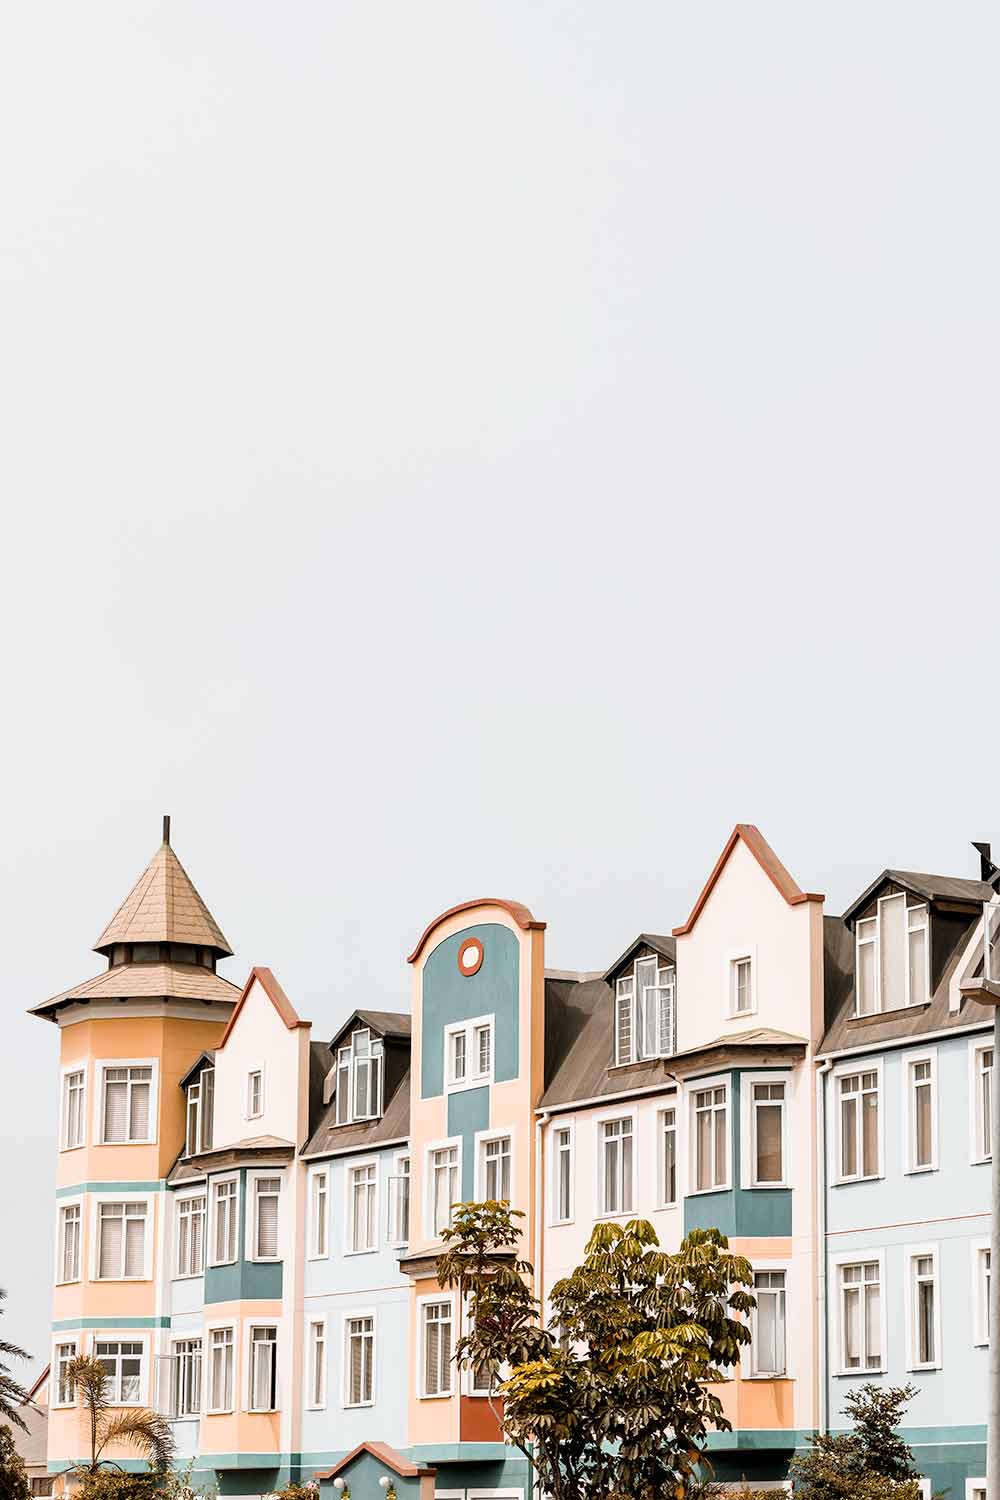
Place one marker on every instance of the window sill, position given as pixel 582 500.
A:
pixel 625 1213
pixel 223 1411
pixel 123 1143
pixel 319 1255
pixel 859 1374
pixel 723 1187
pixel 220 1265
pixel 368 1250
pixel 766 1187
pixel 770 1379
pixel 117 1281
pixel 561 1223
pixel 264 1260
pixel 69 1281
pixel 78 1147
pixel 923 1369
pixel 358 1405
pixel 440 1396
pixel 854 1181
pixel 188 1276
pixel 920 1171
pixel 741 1015
pixel 468 1083
pixel 895 1014
pixel 666 1208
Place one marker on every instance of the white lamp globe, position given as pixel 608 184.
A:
pixel 338 1483
pixel 385 1481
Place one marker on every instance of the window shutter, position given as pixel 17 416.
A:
pixel 135 1245
pixel 115 1110
pixel 110 1256
pixel 139 1112
pixel 433 1369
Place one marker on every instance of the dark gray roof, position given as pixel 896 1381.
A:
pixel 579 1022
pixel 660 943
pixel 199 1062
pixel 393 1125
pixel 395 1024
pixel 950 942
pixel 930 887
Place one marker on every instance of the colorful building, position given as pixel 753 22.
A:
pixel 248 1219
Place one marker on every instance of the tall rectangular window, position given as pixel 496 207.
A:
pixel 363 1207
pixel 767 1133
pixel 220 1369
pixel 127 1104
pixel 624 1003
pixel 255 1093
pixel 317 1363
pixel 69 1242
pixel 859 1127
pixel 444 1186
pixel 768 1348
pixel 921 1117
pixel 200 1113
pixel 482 1038
pixel 741 986
pixel 562 1140
pixel 64 1391
pixel 495 1170
pixel 892 957
pixel 186 1385
pixel 668 1157
pixel 225 1205
pixel 263 1367
pixel 121 1241
pixel 646 1012
pixel 711 1138
pixel 73 1117
pixel 436 1352
pixel 861 1316
pixel 266 1201
pixel 892 951
pixel 360 1361
pixel 359 1077
pixel 190 1236
pixel 399 1202
pixel 981 1294
pixel 122 1364
pixel 616 1166
pixel 924 1336
pixel 320 1212
pixel 983 1102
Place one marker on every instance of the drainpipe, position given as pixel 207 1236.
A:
pixel 538 1255
pixel 821 1222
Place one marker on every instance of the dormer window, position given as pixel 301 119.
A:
pixel 200 1112
pixel 646 1012
pixel 892 957
pixel 359 1078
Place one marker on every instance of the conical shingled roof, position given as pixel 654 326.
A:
pixel 164 907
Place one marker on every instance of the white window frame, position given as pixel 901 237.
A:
pixel 747 954
pixel 569 1126
pixel 748 1130
pixel 422 1302
pixel 911 1254
pixel 312 1403
pixel 346 1319
pixel 481 1140
pixel 394 1211
pixel 213 1210
pixel 101 1065
pixel 77 1202
pixel 248 1112
pixel 666 979
pixel 317 1175
pixel 600 1183
pixel 918 908
pixel 60 1341
pixel 249 1324
pixel 978 1249
pixel 95 1236
pixel 662 1201
pixel 849 1070
pixel 473 1078
pixel 69 1071
pixel 692 1088
pixel 352 1166
pixel 376 1053
pixel 784 1268
pixel 255 1175
pixel 977 1143
pixel 189 1196
pixel 430 1232
pixel 909 1061
pixel 185 1338
pixel 859 1258
pixel 208 1406
pixel 202 1137
pixel 123 1336
pixel 974 1487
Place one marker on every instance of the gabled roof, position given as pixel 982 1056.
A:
pixel 751 836
pixel 394 1024
pixel 274 993
pixel 202 1060
pixel 164 907
pixel 140 981
pixel 522 916
pixel 404 1467
pixel 665 946
pixel 930 887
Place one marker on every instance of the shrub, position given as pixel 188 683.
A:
pixel 13 1475
pixel 112 1484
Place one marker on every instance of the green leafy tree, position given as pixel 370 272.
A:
pixel 618 1403
pixel 13 1474
pixel 145 1431
pixel 12 1393
pixel 871 1461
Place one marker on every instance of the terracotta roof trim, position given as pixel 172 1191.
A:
pixel 272 989
pixel 769 862
pixel 522 916
pixel 386 1455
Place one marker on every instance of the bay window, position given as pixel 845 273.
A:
pixel 221 1347
pixel 126 1104
pixel 63 1389
pixel 225 1213
pixel 69 1242
pixel 121 1240
pixel 767 1352
pixel 122 1363
pixel 73 1111
pixel 190 1221
pixel 710 1137
pixel 266 1203
pixel 767 1132
pixel 263 1367
pixel 436 1340
pixel 186 1381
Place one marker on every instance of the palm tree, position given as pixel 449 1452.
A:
pixel 145 1430
pixel 12 1395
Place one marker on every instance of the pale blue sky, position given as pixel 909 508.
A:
pixel 456 449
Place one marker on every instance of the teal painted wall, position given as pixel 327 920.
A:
pixel 363 1477
pixel 740 1211
pixel 450 996
pixel 468 1111
pixel 246 1279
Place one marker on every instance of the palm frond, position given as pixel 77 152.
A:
pixel 146 1431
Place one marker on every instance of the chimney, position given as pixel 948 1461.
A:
pixel 987 869
pixel 166 832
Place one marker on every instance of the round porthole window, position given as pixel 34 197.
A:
pixel 470 957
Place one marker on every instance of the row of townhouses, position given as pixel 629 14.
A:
pixel 247 1216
